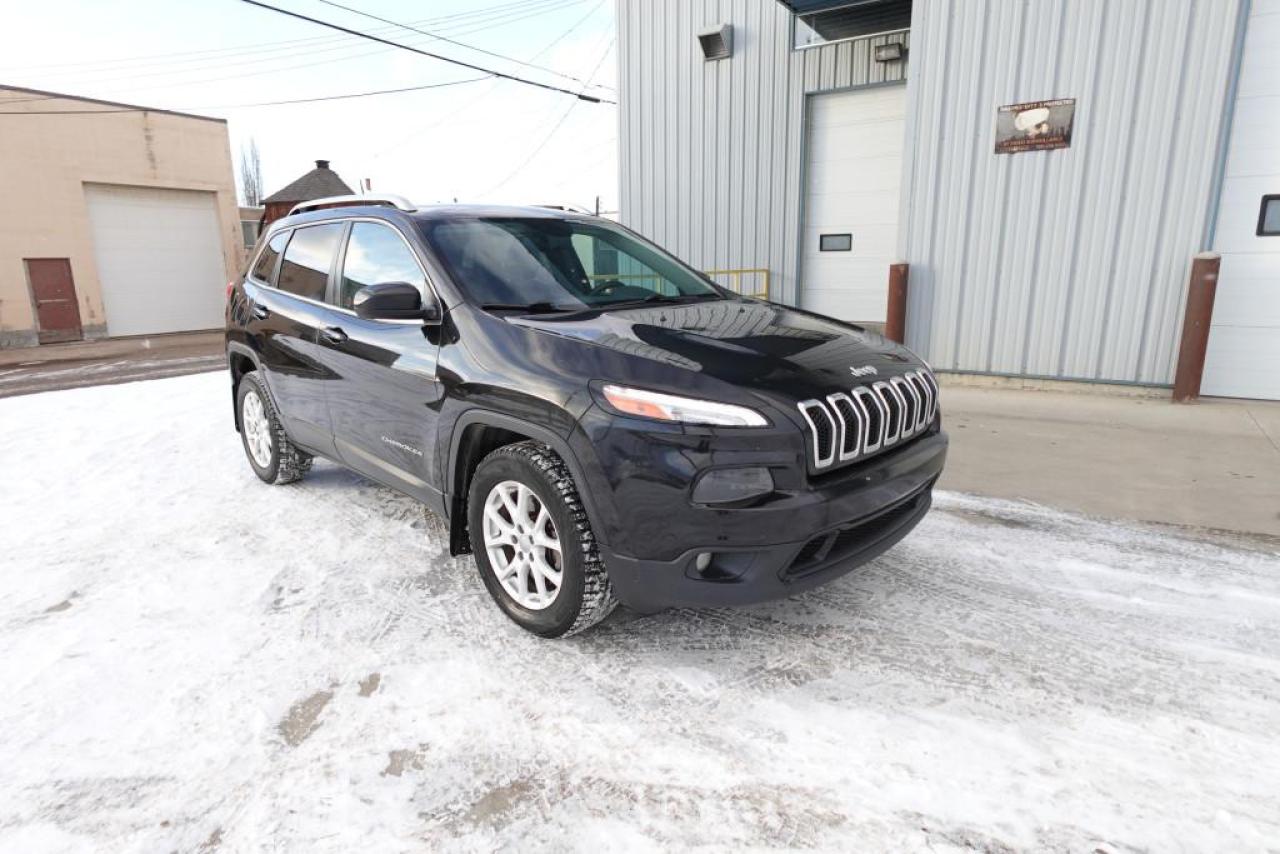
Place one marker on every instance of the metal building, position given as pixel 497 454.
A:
pixel 1048 169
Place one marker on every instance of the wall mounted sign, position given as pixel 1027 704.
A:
pixel 1034 126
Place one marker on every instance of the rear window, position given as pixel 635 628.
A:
pixel 265 269
pixel 305 270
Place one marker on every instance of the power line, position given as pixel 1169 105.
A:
pixel 242 106
pixel 546 139
pixel 457 20
pixel 581 96
pixel 436 122
pixel 414 29
pixel 172 83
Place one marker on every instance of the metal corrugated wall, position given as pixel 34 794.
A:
pixel 712 152
pixel 1069 263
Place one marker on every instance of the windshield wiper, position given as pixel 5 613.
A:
pixel 529 308
pixel 658 298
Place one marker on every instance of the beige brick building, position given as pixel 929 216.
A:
pixel 114 219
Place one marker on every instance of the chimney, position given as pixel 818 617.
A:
pixel 322 164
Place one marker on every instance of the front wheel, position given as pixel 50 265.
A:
pixel 533 543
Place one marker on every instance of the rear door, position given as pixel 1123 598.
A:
pixel 383 393
pixel 287 308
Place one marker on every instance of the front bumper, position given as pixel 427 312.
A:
pixel 817 530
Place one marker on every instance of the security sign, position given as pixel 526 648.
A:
pixel 1034 126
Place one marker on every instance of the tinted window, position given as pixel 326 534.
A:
pixel 305 270
pixel 266 266
pixel 376 255
pixel 565 263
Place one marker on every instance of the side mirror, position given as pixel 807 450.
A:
pixel 394 301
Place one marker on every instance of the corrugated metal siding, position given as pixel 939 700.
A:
pixel 1069 263
pixel 712 152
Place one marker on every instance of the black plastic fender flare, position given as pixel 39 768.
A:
pixel 236 348
pixel 456 496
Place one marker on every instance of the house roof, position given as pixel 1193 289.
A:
pixel 319 183
pixel 42 95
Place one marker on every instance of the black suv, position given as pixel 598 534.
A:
pixel 597 421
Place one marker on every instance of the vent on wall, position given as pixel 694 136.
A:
pixel 717 43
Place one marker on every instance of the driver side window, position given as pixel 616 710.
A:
pixel 376 255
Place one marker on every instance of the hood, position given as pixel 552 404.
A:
pixel 749 344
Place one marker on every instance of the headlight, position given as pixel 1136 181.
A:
pixel 685 410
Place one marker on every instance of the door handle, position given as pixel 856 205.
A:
pixel 260 311
pixel 333 334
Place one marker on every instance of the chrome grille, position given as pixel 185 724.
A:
pixel 853 425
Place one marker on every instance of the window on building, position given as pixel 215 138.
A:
pixel 377 255
pixel 1269 216
pixel 835 242
pixel 307 260
pixel 852 21
pixel 249 231
pixel 265 268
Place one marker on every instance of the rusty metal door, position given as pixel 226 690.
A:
pixel 53 293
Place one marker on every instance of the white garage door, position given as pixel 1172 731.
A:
pixel 1244 341
pixel 851 201
pixel 159 256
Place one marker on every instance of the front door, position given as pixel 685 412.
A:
pixel 384 396
pixel 53 293
pixel 853 173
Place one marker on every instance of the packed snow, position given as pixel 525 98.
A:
pixel 193 660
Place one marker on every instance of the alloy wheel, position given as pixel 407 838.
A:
pixel 257 428
pixel 523 545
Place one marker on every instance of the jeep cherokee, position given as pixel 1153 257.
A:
pixel 597 421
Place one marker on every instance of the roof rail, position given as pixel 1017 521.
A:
pixel 397 202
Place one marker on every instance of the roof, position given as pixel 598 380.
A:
pixel 42 95
pixel 435 213
pixel 319 183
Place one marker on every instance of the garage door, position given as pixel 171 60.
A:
pixel 1244 341
pixel 159 256
pixel 853 169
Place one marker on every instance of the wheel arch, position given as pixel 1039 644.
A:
pixel 240 361
pixel 477 433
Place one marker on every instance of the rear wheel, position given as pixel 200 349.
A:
pixel 533 543
pixel 271 455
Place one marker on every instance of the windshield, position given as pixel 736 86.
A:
pixel 556 264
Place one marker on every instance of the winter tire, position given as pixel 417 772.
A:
pixel 272 456
pixel 533 543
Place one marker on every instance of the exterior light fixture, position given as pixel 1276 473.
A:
pixel 891 52
pixel 717 43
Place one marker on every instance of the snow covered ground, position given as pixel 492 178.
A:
pixel 193 660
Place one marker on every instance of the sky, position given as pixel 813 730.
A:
pixel 488 140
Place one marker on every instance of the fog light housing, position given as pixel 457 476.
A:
pixel 730 486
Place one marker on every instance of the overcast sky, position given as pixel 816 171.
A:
pixel 491 140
